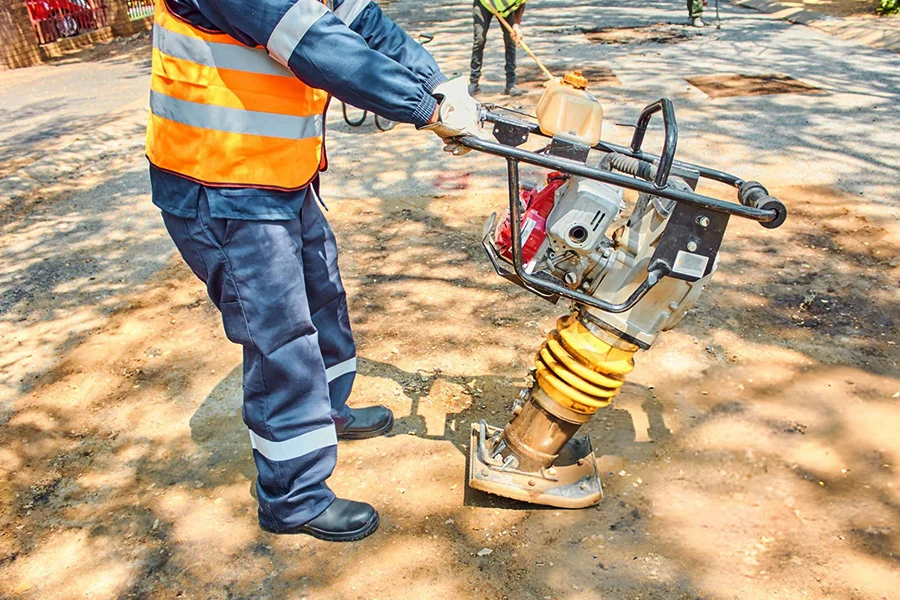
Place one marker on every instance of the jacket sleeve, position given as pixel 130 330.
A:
pixel 366 18
pixel 319 48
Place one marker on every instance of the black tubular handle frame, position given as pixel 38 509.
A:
pixel 667 157
pixel 492 116
pixel 517 130
pixel 582 170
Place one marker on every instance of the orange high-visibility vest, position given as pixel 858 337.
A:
pixel 225 114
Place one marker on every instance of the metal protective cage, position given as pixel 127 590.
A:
pixel 754 202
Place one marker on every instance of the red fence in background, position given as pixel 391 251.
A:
pixel 54 19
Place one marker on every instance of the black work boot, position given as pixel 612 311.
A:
pixel 512 90
pixel 343 521
pixel 367 422
pixel 474 88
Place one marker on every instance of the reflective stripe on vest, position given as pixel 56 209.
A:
pixel 504 7
pixel 222 113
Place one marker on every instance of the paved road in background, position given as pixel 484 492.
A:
pixel 847 133
pixel 41 104
pixel 847 136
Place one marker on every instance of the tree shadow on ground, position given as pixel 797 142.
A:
pixel 73 252
pixel 148 503
pixel 57 104
pixel 751 438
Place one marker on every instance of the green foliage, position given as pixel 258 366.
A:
pixel 888 7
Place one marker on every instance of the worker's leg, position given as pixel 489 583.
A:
pixel 254 274
pixel 695 8
pixel 510 59
pixel 481 17
pixel 328 306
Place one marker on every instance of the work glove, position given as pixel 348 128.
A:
pixel 458 114
pixel 517 34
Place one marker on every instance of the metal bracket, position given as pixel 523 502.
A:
pixel 568 149
pixel 510 131
pixel 690 242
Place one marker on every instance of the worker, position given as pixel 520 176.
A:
pixel 695 12
pixel 236 143
pixel 482 13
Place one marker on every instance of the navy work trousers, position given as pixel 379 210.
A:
pixel 279 290
pixel 481 18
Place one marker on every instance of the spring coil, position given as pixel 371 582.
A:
pixel 579 370
pixel 632 166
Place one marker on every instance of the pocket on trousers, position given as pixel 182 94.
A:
pixel 216 230
pixel 219 230
pixel 235 323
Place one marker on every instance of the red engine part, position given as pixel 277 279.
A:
pixel 537 205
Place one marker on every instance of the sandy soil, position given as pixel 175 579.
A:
pixel 841 8
pixel 752 453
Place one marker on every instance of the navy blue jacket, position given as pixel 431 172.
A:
pixel 355 53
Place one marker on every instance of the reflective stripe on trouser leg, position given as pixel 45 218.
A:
pixel 295 447
pixel 328 306
pixel 256 279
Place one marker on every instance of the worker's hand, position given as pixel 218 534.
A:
pixel 457 114
pixel 517 34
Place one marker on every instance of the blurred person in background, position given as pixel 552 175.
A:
pixel 482 12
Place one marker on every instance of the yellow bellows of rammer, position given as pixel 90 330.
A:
pixel 578 370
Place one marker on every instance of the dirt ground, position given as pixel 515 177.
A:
pixel 752 453
pixel 841 8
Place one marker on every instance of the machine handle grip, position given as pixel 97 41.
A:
pixel 670 126
pixel 755 195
